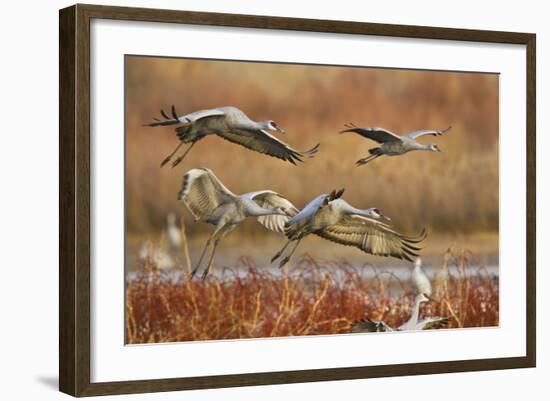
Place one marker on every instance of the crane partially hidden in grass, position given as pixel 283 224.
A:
pixel 391 143
pixel 210 201
pixel 332 218
pixel 233 125
pixel 371 326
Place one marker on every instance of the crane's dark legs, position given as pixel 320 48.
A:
pixel 201 258
pixel 205 272
pixel 179 159
pixel 169 157
pixel 287 258
pixel 370 158
pixel 221 231
pixel 278 254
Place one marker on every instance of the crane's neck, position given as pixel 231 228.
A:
pixel 255 210
pixel 427 147
pixel 416 312
pixel 348 209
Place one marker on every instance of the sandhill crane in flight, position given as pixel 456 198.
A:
pixel 210 201
pixel 420 280
pixel 332 218
pixel 391 143
pixel 233 125
pixel 371 326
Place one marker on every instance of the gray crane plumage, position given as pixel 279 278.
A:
pixel 391 143
pixel 420 280
pixel 423 324
pixel 332 218
pixel 233 125
pixel 210 201
pixel 372 326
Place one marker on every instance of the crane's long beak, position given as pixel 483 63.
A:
pixel 384 217
pixel 282 131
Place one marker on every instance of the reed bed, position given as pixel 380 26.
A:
pixel 310 298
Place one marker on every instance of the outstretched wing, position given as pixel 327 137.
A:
pixel 263 142
pixel 202 192
pixel 373 237
pixel 186 118
pixel 377 134
pixel 269 199
pixel 416 134
pixel 369 326
pixel 432 323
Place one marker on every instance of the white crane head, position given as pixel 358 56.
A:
pixel 435 148
pixel 271 125
pixel 377 214
pixel 420 298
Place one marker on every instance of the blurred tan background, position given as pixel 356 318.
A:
pixel 454 193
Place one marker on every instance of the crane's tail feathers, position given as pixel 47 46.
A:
pixel 339 193
pixel 334 195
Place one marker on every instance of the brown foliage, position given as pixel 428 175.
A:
pixel 312 298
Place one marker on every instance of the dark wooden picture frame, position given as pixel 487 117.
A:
pixel 74 202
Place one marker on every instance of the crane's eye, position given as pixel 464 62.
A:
pixel 273 123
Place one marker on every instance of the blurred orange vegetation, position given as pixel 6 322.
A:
pixel 455 191
pixel 313 298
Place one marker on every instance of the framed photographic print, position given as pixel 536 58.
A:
pixel 250 200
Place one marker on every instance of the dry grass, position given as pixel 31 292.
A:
pixel 312 298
